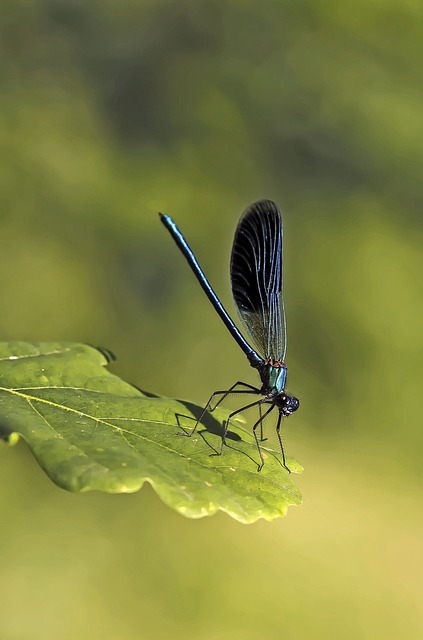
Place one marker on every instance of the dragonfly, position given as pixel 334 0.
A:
pixel 256 271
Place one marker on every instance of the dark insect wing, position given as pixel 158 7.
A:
pixel 256 277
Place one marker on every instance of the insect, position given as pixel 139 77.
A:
pixel 257 288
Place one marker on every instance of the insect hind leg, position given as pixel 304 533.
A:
pixel 249 390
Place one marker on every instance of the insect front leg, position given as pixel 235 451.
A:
pixel 278 431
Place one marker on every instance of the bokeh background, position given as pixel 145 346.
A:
pixel 112 111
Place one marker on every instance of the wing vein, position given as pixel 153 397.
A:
pixel 257 277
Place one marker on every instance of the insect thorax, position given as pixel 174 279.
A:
pixel 273 375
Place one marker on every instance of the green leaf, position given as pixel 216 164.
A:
pixel 89 429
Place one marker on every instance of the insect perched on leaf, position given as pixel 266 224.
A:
pixel 257 288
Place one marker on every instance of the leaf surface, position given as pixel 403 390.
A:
pixel 90 430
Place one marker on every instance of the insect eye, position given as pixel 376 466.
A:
pixel 292 403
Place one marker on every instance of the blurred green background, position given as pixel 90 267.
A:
pixel 110 112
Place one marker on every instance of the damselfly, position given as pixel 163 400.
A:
pixel 257 288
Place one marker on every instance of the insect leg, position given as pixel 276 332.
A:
pixel 260 422
pixel 261 426
pixel 210 400
pixel 278 431
pixel 231 415
pixel 232 390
